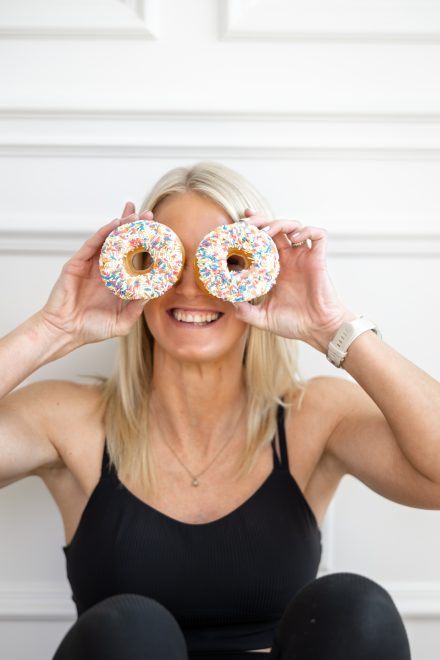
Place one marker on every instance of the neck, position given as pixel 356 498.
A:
pixel 197 403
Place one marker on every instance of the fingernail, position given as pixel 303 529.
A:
pixel 298 233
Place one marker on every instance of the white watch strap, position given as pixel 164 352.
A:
pixel 347 333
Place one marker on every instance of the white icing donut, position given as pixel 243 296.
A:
pixel 252 246
pixel 166 258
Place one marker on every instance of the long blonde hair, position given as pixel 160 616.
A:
pixel 270 361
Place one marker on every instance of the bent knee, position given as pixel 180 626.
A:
pixel 131 609
pixel 344 613
pixel 351 597
pixel 124 625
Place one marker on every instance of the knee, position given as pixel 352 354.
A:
pixel 128 624
pixel 135 615
pixel 346 613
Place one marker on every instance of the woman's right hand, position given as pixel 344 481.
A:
pixel 80 305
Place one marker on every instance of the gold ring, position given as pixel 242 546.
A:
pixel 299 244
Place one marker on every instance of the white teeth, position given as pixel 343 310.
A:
pixel 195 317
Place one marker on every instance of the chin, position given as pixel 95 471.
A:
pixel 198 354
pixel 186 343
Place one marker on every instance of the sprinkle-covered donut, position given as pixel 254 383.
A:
pixel 252 249
pixel 164 261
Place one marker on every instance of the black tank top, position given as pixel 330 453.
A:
pixel 227 582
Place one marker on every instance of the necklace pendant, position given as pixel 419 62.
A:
pixel 195 482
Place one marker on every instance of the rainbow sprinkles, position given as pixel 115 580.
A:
pixel 257 251
pixel 166 260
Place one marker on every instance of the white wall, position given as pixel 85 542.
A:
pixel 331 107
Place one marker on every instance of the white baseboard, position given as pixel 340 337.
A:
pixel 51 601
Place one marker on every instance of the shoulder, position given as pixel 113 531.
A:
pixel 70 404
pixel 338 396
pixel 54 394
pixel 316 410
pixel 324 405
pixel 329 394
pixel 60 406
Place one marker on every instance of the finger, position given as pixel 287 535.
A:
pixel 298 244
pixel 281 241
pixel 257 220
pixel 252 314
pixel 279 230
pixel 275 229
pixel 261 221
pixel 146 215
pixel 128 218
pixel 129 208
pixel 94 243
pixel 130 313
pixel 284 226
pixel 317 235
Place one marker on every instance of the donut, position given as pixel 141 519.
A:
pixel 164 260
pixel 251 247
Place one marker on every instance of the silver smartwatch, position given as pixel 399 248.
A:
pixel 347 333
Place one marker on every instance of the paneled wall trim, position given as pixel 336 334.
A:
pixel 339 244
pixel 127 19
pixel 69 132
pixel 290 20
pixel 330 107
pixel 331 20
pixel 36 601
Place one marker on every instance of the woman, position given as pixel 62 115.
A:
pixel 193 483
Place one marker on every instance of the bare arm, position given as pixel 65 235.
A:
pixel 388 435
pixel 80 310
pixel 27 348
pixel 24 441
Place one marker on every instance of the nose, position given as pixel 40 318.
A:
pixel 188 283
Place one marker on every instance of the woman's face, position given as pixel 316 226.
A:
pixel 191 217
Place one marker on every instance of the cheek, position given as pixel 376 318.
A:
pixel 152 313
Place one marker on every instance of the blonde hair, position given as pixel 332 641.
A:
pixel 269 362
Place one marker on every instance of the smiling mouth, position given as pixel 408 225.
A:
pixel 195 319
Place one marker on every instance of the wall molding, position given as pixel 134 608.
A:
pixel 215 151
pixel 58 243
pixel 45 19
pixel 409 21
pixel 414 599
pixel 51 601
pixel 129 114
pixel 119 133
pixel 36 601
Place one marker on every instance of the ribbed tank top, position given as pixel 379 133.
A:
pixel 227 582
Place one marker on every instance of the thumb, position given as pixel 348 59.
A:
pixel 131 312
pixel 252 314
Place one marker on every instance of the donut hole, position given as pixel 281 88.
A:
pixel 138 261
pixel 238 261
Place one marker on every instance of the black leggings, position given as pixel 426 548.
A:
pixel 340 616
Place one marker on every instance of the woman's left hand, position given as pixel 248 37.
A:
pixel 303 304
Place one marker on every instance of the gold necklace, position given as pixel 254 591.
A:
pixel 194 477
